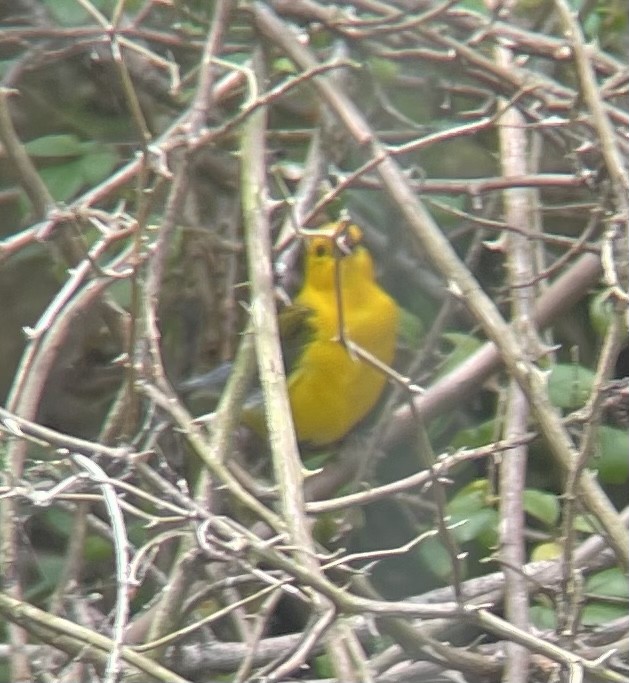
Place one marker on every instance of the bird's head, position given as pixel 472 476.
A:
pixel 337 247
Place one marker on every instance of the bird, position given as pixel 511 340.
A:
pixel 330 386
pixel 339 327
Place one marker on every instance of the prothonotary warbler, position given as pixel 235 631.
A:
pixel 331 387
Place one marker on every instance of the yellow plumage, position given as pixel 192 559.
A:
pixel 330 388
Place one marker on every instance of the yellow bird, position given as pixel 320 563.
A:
pixel 330 387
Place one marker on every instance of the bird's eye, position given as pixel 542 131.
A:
pixel 320 249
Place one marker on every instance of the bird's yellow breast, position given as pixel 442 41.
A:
pixel 330 388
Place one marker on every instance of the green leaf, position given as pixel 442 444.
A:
pixel 66 12
pixel 480 525
pixel 601 311
pixel 609 582
pixel 97 166
pixel 474 437
pixel 612 455
pixel 542 506
pixel 464 345
pixel 598 613
pixel 543 617
pixel 97 549
pixel 190 29
pixel 546 551
pixel 323 666
pixel 239 58
pixel 5 66
pixel 435 557
pixel 63 180
pixel 583 524
pixel 471 498
pixel 383 70
pixel 71 13
pixel 479 6
pixel 50 567
pixel 90 164
pixel 284 65
pixel 62 145
pixel 569 386
pixel 120 291
pixel 411 329
pixel 59 521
